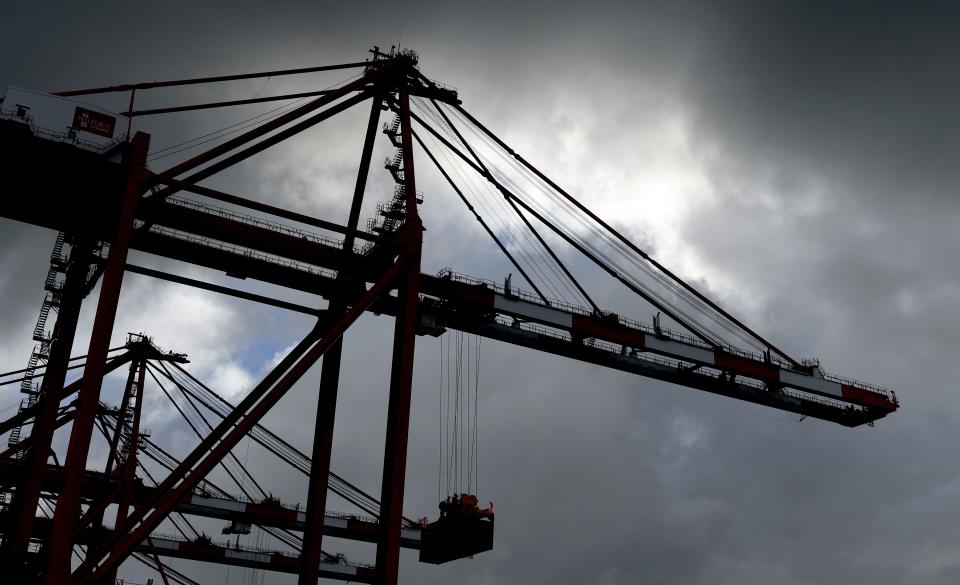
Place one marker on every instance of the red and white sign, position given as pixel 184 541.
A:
pixel 94 122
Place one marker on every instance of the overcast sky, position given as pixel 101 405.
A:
pixel 795 159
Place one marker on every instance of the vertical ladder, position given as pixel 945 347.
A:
pixel 392 214
pixel 126 421
pixel 51 302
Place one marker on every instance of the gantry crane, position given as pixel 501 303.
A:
pixel 76 169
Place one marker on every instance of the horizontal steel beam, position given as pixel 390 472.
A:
pixel 269 209
pixel 248 296
pixel 206 550
pixel 213 79
pixel 224 104
pixel 666 372
pixel 96 485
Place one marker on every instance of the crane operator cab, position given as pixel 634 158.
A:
pixel 463 530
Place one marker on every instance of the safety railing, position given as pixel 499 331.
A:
pixel 228 545
pixel 67 137
pixel 672 334
pixel 241 250
pixel 886 392
pixel 206 492
pixel 256 222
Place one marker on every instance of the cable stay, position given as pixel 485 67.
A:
pixel 539 265
pixel 486 227
pixel 624 241
pixel 586 249
pixel 168 463
pixel 195 395
pixel 584 246
pixel 199 434
pixel 519 213
pixel 676 293
pixel 532 251
pixel 220 407
pixel 510 195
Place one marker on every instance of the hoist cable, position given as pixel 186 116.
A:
pixel 440 425
pixel 476 419
pixel 447 434
pixel 467 426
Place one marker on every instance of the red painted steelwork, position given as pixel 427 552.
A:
pixel 263 207
pixel 216 79
pixel 131 113
pixel 128 471
pixel 60 547
pixel 27 494
pixel 272 125
pixel 329 385
pixel 401 373
pixel 223 438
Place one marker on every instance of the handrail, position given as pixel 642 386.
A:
pixel 256 221
pixel 448 273
pixel 56 136
pixel 667 362
pixel 228 545
pixel 242 250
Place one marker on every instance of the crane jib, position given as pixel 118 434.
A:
pixel 609 328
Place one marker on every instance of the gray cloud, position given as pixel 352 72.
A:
pixel 814 142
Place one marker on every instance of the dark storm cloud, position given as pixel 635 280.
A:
pixel 826 134
pixel 21 275
pixel 865 94
pixel 836 132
